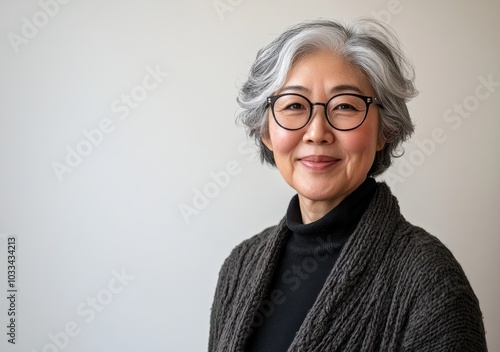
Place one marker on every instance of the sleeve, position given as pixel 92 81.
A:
pixel 446 315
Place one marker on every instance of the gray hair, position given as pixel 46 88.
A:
pixel 367 44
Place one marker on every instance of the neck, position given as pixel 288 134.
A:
pixel 313 210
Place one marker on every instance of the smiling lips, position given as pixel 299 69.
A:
pixel 318 162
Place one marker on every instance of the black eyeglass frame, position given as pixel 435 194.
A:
pixel 368 101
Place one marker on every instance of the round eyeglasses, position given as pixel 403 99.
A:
pixel 344 112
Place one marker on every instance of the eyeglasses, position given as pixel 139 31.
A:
pixel 344 112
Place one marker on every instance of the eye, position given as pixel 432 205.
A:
pixel 295 106
pixel 291 105
pixel 344 106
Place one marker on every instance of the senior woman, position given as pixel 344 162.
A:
pixel 343 270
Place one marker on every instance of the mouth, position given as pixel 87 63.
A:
pixel 318 162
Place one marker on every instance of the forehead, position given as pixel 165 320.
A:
pixel 327 71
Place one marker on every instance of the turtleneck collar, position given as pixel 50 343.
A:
pixel 342 218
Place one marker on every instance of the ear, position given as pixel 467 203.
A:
pixel 267 141
pixel 380 142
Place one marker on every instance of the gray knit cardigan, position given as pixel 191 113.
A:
pixel 393 288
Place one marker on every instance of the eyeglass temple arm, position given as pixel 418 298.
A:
pixel 377 102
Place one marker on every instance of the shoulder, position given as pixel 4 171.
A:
pixel 425 251
pixel 239 268
pixel 426 263
pixel 236 273
pixel 411 246
pixel 249 248
pixel 410 250
pixel 444 308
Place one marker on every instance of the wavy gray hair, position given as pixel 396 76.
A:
pixel 367 44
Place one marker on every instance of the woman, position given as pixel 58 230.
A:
pixel 343 270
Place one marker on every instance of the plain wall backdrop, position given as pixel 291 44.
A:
pixel 126 181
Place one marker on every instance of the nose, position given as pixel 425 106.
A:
pixel 318 130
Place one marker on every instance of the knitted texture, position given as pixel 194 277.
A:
pixel 393 288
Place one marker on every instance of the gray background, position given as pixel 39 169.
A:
pixel 119 209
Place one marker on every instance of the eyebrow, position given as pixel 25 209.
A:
pixel 337 89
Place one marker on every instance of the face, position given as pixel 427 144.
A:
pixel 322 164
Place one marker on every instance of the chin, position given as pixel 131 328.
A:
pixel 319 195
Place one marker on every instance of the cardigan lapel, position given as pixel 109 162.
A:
pixel 257 279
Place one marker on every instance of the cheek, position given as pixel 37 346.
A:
pixel 359 142
pixel 283 141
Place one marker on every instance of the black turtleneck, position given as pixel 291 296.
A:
pixel 307 258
